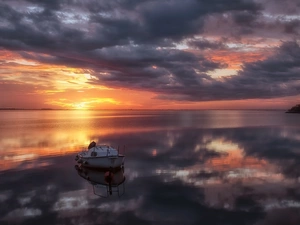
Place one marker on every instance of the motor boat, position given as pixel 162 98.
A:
pixel 105 181
pixel 100 156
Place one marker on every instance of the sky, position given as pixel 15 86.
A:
pixel 149 54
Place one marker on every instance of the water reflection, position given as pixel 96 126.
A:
pixel 180 168
pixel 105 182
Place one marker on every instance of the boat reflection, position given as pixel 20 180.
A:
pixel 105 182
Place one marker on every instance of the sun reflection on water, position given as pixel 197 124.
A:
pixel 172 162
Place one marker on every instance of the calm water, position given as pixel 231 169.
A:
pixel 181 167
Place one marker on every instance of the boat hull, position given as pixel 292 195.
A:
pixel 101 162
pixel 99 177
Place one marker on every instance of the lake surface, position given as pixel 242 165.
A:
pixel 181 167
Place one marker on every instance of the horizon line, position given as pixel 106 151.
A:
pixel 252 109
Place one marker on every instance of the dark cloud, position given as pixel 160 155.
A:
pixel 7 13
pixel 135 44
pixel 152 69
pixel 291 7
pixel 113 23
pixel 205 44
pixel 289 216
pixel 292 27
pixel 275 76
pixel 49 4
pixel 245 18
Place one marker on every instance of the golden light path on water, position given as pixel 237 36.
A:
pixel 24 144
pixel 220 157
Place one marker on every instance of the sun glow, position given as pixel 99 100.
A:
pixel 81 105
pixel 88 103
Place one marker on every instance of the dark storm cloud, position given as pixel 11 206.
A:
pixel 7 13
pixel 244 18
pixel 281 67
pixel 290 7
pixel 148 68
pixel 205 44
pixel 292 27
pixel 279 216
pixel 50 4
pixel 134 44
pixel 146 21
pixel 40 31
pixel 275 76
pixel 166 19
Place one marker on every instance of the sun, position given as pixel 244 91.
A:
pixel 81 105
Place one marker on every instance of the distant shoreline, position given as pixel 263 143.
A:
pixel 30 109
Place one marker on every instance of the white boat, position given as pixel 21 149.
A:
pixel 100 156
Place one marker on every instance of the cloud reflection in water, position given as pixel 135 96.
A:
pixel 175 172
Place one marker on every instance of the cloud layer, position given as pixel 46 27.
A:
pixel 165 47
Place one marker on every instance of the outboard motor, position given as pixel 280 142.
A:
pixel 92 145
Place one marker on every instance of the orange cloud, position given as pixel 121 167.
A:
pixel 235 59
